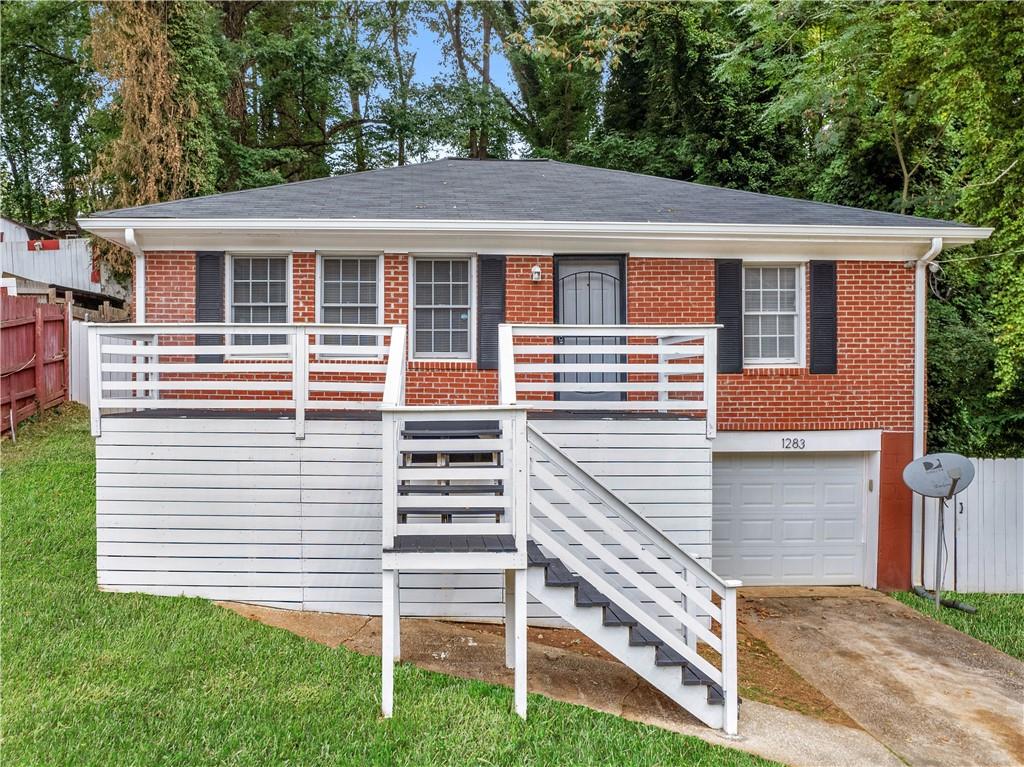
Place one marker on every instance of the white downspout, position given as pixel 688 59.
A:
pixel 139 289
pixel 920 382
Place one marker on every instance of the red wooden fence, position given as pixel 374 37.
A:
pixel 33 357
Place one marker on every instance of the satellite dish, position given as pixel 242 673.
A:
pixel 940 475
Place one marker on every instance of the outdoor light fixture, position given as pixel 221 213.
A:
pixel 535 273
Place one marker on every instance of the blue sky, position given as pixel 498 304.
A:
pixel 429 64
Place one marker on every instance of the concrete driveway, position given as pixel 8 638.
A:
pixel 928 693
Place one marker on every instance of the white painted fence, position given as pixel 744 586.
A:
pixel 79 352
pixel 984 532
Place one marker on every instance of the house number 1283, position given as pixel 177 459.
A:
pixel 793 443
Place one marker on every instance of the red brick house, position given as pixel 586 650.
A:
pixel 797 328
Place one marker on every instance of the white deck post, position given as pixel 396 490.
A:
pixel 510 619
pixel 300 379
pixel 398 614
pixel 520 641
pixel 729 659
pixel 506 366
pixel 711 381
pixel 95 364
pixel 389 480
pixel 387 643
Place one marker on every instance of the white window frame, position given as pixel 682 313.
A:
pixel 229 298
pixel 470 356
pixel 800 322
pixel 318 290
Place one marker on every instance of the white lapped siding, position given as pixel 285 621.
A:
pixel 238 509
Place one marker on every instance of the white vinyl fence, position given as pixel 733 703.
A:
pixel 79 345
pixel 983 531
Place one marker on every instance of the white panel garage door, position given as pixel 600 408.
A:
pixel 789 518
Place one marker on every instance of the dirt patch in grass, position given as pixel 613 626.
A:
pixel 763 675
pixel 441 646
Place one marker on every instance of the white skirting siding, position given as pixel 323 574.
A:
pixel 238 509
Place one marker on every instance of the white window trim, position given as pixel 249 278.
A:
pixel 229 283
pixel 413 354
pixel 800 341
pixel 318 289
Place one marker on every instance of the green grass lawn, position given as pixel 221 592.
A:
pixel 125 679
pixel 998 622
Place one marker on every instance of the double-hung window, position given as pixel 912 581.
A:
pixel 350 295
pixel 259 295
pixel 442 307
pixel 772 303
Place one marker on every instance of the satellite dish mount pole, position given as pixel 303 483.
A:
pixel 954 474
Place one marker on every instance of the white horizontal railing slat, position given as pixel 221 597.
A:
pixel 641 368
pixel 154 366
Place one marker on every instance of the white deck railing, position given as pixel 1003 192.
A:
pixel 436 498
pixel 223 366
pixel 644 368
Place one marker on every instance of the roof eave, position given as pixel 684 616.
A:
pixel 951 235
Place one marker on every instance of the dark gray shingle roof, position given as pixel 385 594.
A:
pixel 515 190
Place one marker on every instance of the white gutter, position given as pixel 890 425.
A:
pixel 951 234
pixel 920 383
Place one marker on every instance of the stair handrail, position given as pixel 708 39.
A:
pixel 715 582
pixel 728 675
pixel 623 601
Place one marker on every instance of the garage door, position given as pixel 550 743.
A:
pixel 789 519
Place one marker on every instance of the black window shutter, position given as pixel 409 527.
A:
pixel 824 325
pixel 490 309
pixel 729 313
pixel 209 299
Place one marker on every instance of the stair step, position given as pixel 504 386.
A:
pixel 715 695
pixel 451 429
pixel 468 511
pixel 535 555
pixel 691 677
pixel 494 489
pixel 588 596
pixel 639 636
pixel 557 574
pixel 616 616
pixel 666 656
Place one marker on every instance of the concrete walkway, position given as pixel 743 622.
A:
pixel 584 675
pixel 930 694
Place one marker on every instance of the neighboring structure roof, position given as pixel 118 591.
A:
pixel 515 190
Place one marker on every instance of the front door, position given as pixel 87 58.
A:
pixel 589 291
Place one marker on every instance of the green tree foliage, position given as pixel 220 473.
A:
pixel 47 87
pixel 908 107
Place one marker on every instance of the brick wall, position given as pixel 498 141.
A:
pixel 304 287
pixel 873 388
pixel 170 286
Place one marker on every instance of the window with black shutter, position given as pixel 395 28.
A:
pixel 209 300
pixel 490 309
pixel 729 314
pixel 823 315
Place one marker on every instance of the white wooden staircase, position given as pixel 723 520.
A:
pixel 560 535
pixel 642 599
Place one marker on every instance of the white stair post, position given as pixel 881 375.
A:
pixel 730 677
pixel 520 641
pixel 388 634
pixel 510 619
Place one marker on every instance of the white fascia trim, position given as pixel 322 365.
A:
pixel 553 228
pixel 813 441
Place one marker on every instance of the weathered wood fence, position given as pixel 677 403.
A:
pixel 34 364
pixel 983 531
